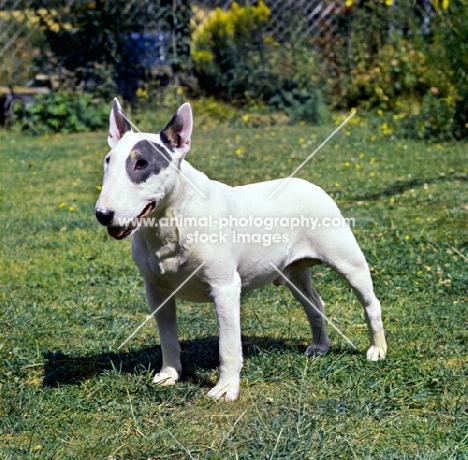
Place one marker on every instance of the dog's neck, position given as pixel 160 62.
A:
pixel 190 188
pixel 165 240
pixel 183 200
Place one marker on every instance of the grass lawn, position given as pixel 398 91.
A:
pixel 70 295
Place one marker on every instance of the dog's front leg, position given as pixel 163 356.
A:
pixel 227 304
pixel 167 324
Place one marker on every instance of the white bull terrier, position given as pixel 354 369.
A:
pixel 147 181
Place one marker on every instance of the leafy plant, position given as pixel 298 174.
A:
pixel 417 76
pixel 89 36
pixel 236 59
pixel 228 48
pixel 61 112
pixel 402 72
pixel 299 104
pixel 434 119
pixel 452 36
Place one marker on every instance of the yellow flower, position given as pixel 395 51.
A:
pixel 372 174
pixel 71 208
pixel 301 140
pixel 347 163
pixel 141 92
pixel 349 3
pixel 62 204
pixel 380 112
pixel 245 118
pixel 445 4
pixel 386 129
pixel 389 2
pixel 357 166
pixel 361 155
pixel 302 123
pixel 98 188
pixel 239 150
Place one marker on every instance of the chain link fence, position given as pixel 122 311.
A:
pixel 293 21
pixel 278 55
pixel 22 25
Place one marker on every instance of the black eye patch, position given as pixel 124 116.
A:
pixel 145 160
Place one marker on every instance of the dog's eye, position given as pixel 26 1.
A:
pixel 141 163
pixel 107 160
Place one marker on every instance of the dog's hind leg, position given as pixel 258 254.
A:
pixel 301 288
pixel 167 324
pixel 347 259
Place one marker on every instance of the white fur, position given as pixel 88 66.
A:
pixel 166 257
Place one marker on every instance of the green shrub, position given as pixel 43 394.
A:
pixel 228 48
pixel 296 88
pixel 299 104
pixel 434 119
pixel 420 81
pixel 235 59
pixel 402 73
pixel 61 112
pixel 452 36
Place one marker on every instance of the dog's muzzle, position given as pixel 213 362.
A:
pixel 105 217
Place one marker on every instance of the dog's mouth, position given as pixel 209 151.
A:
pixel 121 232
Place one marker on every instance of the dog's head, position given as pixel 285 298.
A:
pixel 141 170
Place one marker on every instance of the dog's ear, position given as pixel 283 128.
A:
pixel 179 130
pixel 118 124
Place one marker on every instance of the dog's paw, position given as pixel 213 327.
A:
pixel 375 352
pixel 165 379
pixel 225 393
pixel 317 350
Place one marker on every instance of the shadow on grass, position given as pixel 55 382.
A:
pixel 400 186
pixel 197 355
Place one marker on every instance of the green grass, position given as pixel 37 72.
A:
pixel 70 295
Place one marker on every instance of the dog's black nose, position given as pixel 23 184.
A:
pixel 104 216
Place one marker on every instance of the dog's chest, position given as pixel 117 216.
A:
pixel 158 252
pixel 165 264
pixel 166 250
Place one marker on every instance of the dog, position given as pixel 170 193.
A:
pixel 146 178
